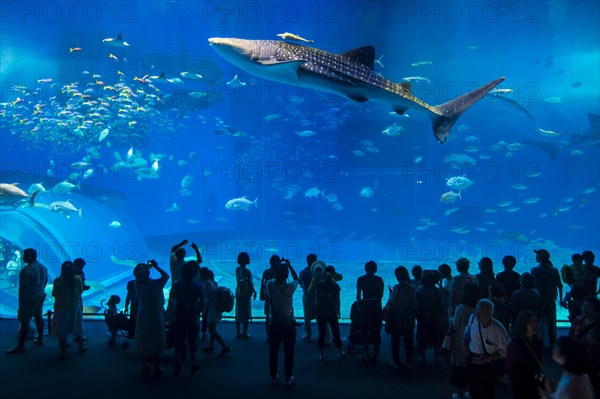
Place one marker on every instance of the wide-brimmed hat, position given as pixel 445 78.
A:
pixel 317 268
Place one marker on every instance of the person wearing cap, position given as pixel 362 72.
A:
pixel 458 282
pixel 548 283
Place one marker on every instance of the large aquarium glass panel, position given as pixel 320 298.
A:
pixel 407 132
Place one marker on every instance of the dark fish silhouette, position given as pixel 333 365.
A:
pixel 590 137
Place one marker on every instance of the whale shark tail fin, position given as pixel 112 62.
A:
pixel 448 113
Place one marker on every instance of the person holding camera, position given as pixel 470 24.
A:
pixel 177 259
pixel 280 292
pixel 150 336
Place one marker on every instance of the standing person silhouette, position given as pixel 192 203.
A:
pixel 150 335
pixel 268 274
pixel 244 293
pixel 283 325
pixel 548 283
pixel 33 279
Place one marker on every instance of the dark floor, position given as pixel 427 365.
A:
pixel 105 372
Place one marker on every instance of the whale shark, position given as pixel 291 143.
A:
pixel 349 74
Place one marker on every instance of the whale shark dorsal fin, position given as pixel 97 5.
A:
pixel 162 75
pixel 362 55
pixel 119 38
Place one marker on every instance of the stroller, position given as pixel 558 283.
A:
pixel 356 335
pixel 117 322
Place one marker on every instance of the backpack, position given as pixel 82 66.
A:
pixel 402 311
pixel 225 300
pixel 244 285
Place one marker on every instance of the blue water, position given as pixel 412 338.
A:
pixel 228 142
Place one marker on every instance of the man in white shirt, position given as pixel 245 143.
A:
pixel 488 342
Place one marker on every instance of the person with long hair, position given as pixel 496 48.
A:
pixel 66 291
pixel 524 357
pixel 486 276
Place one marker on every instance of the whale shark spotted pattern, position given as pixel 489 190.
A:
pixel 350 74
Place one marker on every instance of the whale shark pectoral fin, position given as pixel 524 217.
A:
pixel 358 98
pixel 283 68
pixel 281 64
pixel 400 110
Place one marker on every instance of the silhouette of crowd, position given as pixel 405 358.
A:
pixel 486 326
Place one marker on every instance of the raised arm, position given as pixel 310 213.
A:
pixel 164 276
pixel 292 271
pixel 177 246
pixel 198 255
